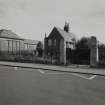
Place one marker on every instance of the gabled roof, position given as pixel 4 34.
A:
pixel 30 41
pixel 9 34
pixel 68 36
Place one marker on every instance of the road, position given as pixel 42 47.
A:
pixel 24 86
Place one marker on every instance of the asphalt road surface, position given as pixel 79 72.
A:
pixel 24 86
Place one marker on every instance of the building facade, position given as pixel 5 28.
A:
pixel 58 44
pixel 12 45
pixel 30 45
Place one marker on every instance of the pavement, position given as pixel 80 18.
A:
pixel 71 69
pixel 28 86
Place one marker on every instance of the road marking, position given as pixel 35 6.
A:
pixel 15 68
pixel 92 77
pixel 75 74
pixel 41 71
pixel 56 73
pixel 89 78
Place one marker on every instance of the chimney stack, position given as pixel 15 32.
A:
pixel 66 27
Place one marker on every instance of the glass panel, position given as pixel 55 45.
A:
pixel 49 42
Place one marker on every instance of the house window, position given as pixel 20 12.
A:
pixel 34 47
pixel 26 45
pixel 14 47
pixel 9 46
pixel 49 42
pixel 55 42
pixel 17 47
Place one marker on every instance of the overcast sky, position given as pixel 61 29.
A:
pixel 32 18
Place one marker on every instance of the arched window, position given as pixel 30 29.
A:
pixel 49 42
pixel 55 42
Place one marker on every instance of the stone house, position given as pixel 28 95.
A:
pixel 10 43
pixel 58 44
pixel 13 46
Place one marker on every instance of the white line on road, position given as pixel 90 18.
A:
pixel 56 73
pixel 75 74
pixel 89 78
pixel 41 71
pixel 92 77
pixel 15 68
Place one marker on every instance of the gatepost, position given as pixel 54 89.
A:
pixel 94 56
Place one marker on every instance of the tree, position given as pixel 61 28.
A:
pixel 40 49
pixel 82 51
pixel 83 43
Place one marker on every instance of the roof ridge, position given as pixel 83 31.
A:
pixel 63 30
pixel 9 34
pixel 66 35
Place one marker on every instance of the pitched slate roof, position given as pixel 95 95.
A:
pixel 30 41
pixel 9 34
pixel 68 36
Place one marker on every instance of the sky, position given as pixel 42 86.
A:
pixel 33 18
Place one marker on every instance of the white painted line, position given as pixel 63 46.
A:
pixel 90 78
pixel 15 68
pixel 79 76
pixel 75 74
pixel 41 71
pixel 56 73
